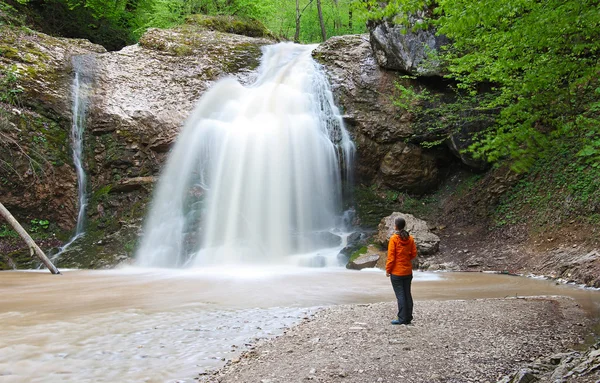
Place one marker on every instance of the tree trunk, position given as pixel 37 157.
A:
pixel 297 34
pixel 33 248
pixel 320 11
pixel 350 19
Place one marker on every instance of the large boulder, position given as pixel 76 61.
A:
pixel 405 48
pixel 369 259
pixel 427 242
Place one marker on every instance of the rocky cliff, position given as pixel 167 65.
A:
pixel 143 93
pixel 385 134
pixel 141 96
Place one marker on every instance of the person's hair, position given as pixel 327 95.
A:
pixel 400 225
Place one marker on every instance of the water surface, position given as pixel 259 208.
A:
pixel 159 325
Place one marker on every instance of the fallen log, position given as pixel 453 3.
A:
pixel 33 247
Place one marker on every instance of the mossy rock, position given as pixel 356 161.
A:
pixel 230 24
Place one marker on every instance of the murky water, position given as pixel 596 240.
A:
pixel 135 325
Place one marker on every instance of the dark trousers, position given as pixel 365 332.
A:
pixel 401 287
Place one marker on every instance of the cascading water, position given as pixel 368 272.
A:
pixel 80 89
pixel 256 174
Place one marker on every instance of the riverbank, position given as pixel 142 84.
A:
pixel 451 341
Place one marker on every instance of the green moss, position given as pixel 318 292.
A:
pixel 372 206
pixel 101 194
pixel 241 56
pixel 9 52
pixel 358 253
pixel 183 50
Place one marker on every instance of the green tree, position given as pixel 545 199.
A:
pixel 540 59
pixel 536 61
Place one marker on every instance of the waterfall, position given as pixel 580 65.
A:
pixel 80 91
pixel 257 172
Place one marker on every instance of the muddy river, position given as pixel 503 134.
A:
pixel 141 325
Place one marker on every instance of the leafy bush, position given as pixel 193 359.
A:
pixel 10 90
pixel 537 61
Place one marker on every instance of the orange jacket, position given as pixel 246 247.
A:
pixel 400 254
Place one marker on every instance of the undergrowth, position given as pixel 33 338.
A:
pixel 559 187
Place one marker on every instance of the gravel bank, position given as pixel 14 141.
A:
pixel 450 341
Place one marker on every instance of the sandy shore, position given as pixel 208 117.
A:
pixel 450 341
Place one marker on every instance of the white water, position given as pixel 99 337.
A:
pixel 80 90
pixel 80 100
pixel 256 174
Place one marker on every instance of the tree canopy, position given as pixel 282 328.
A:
pixel 538 61
pixel 117 23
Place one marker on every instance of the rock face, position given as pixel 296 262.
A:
pixel 571 264
pixel 142 95
pixel 364 91
pixel 38 179
pixel 407 49
pixel 406 52
pixel 427 242
pixel 409 167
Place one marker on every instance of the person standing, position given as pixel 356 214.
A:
pixel 401 251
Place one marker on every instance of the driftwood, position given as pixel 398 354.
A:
pixel 33 248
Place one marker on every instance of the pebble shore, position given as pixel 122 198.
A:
pixel 450 341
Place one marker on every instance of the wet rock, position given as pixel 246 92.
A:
pixel 362 90
pixel 129 184
pixel 573 264
pixel 427 242
pixel 355 241
pixel 354 238
pixel 407 49
pixel 364 261
pixel 316 240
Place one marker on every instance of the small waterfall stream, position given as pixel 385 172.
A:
pixel 80 91
pixel 256 174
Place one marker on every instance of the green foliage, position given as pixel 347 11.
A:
pixel 37 225
pixel 7 232
pixel 10 91
pixel 121 22
pixel 437 115
pixel 408 98
pixel 230 24
pixel 541 61
pixel 340 17
pixel 358 253
pixel 557 188
pixel 9 15
pixel 399 11
pixel 535 62
pixel 102 193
